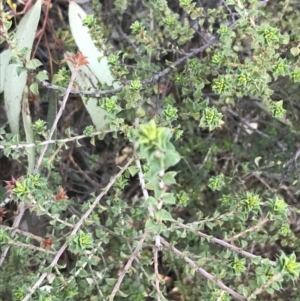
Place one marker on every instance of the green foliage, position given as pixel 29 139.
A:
pixel 170 170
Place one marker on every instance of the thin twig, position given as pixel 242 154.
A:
pixel 155 256
pixel 52 216
pixel 143 184
pixel 203 272
pixel 230 11
pixel 124 36
pixel 221 242
pixel 273 279
pixel 59 114
pixel 14 226
pixel 245 122
pixel 251 229
pixel 20 244
pixel 58 141
pixel 127 266
pixel 24 233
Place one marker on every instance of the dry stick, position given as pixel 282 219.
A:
pixel 124 37
pixel 221 242
pixel 6 201
pixel 14 226
pixel 221 296
pixel 245 122
pixel 251 229
pixel 156 274
pixel 24 233
pixel 18 146
pixel 264 286
pixel 20 244
pixel 127 266
pixel 76 228
pixel 203 272
pixel 59 114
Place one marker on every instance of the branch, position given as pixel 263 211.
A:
pixel 155 257
pixel 14 226
pixel 59 114
pixel 263 287
pixel 127 266
pixel 203 272
pixel 65 140
pixel 221 243
pixel 246 123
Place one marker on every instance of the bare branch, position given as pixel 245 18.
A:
pixel 203 272
pixel 127 266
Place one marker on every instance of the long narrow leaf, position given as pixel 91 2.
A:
pixel 87 47
pixel 4 59
pixel 26 116
pixel 86 79
pixel 51 115
pixel 14 84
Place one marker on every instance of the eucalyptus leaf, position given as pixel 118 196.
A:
pixel 86 80
pixel 96 71
pixel 14 84
pixel 4 60
pixel 87 47
pixel 28 131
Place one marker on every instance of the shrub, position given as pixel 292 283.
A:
pixel 169 170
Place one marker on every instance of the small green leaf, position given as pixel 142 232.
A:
pixel 169 177
pixel 151 201
pixel 110 281
pixel 140 112
pixel 34 88
pixel 164 215
pixel 20 70
pixel 256 161
pixel 295 51
pixel 150 225
pixel 42 75
pixel 133 170
pixel 169 199
pixel 57 78
pixel 256 260
pixel 171 159
pixel 33 64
